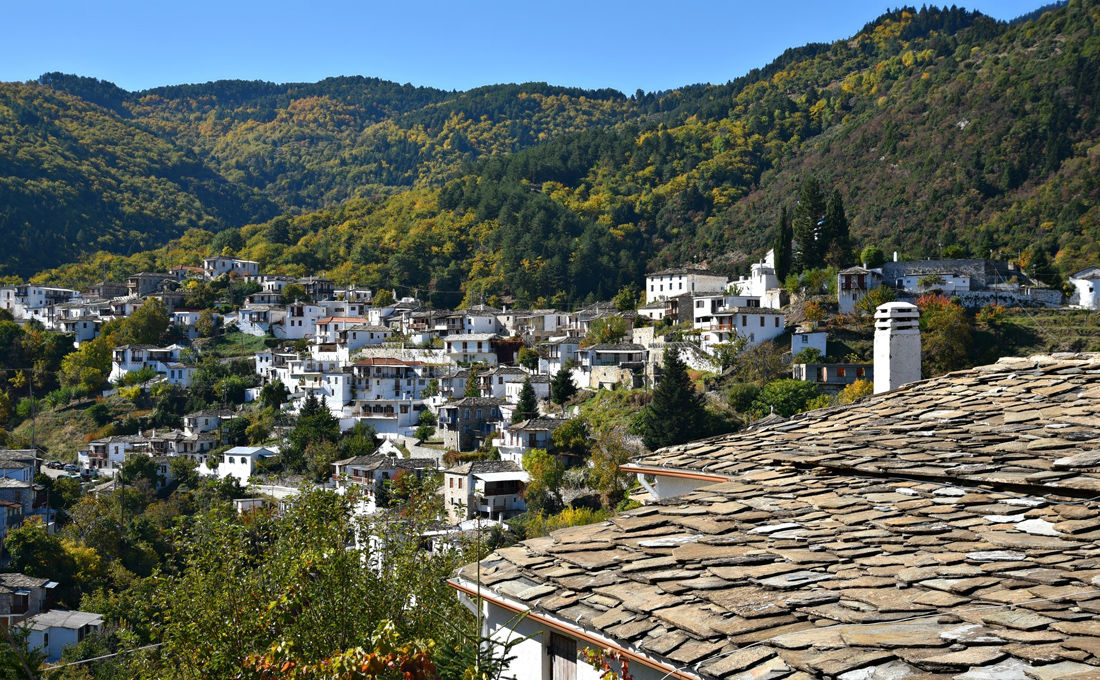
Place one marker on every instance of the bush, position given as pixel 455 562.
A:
pixel 143 374
pixel 786 397
pixel 575 478
pixel 99 413
pixel 741 395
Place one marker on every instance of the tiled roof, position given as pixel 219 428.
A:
pixel 387 462
pixel 1031 423
pixel 949 529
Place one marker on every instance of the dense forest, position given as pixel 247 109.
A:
pixel 940 129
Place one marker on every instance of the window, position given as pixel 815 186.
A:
pixel 699 304
pixel 841 372
pixel 744 320
pixel 777 322
pixel 860 371
pixel 460 482
pixel 805 339
pixel 761 322
pixel 563 657
pixel 231 460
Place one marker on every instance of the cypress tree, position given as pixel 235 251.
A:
pixel 809 216
pixel 676 413
pixel 562 388
pixel 782 246
pixel 836 242
pixel 528 406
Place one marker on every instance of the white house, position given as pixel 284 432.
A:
pixel 534 433
pixel 1087 283
pixel 761 283
pixel 128 358
pixel 486 488
pixel 852 284
pixel 53 631
pixel 756 325
pixel 679 280
pixel 807 339
pixel 240 461
pixel 469 348
pixel 221 264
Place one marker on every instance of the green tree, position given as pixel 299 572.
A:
pixel 234 431
pixel 473 386
pixel 185 471
pixel 147 325
pixel 383 298
pixel 528 358
pixel 360 440
pixel 528 406
pixel 609 453
pixel 543 492
pixel 626 300
pixel 836 241
pixel 741 395
pixel 139 467
pixel 207 323
pixel 571 437
pixel 946 333
pixel 876 297
pixel 784 397
pixel 607 329
pixel 89 366
pixel 872 256
pixel 781 246
pixel 295 292
pixel 274 394
pixel 562 387
pixel 809 216
pixel 726 354
pixel 676 414
pixel 315 424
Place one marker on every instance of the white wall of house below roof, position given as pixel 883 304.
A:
pixel 1088 297
pixel 532 658
pixel 667 487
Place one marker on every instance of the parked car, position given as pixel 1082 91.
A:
pixel 55 465
pixel 70 467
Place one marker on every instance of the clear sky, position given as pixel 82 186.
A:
pixel 450 44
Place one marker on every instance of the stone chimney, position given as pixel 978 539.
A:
pixel 897 345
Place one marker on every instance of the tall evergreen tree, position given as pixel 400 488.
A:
pixel 676 413
pixel 562 388
pixel 809 216
pixel 528 406
pixel 782 245
pixel 836 241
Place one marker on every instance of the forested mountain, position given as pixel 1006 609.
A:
pixel 939 128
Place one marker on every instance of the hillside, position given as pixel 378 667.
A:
pixel 940 128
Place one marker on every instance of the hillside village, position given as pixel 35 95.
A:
pixel 462 397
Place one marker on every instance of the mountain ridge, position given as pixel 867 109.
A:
pixel 611 183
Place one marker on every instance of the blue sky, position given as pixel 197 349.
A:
pixel 452 44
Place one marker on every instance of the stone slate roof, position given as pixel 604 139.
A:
pixel 483 466
pixel 787 571
pixel 387 463
pixel 1030 423
pixel 949 529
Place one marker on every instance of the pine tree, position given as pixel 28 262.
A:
pixel 528 406
pixel 809 216
pixel 676 413
pixel 836 241
pixel 562 388
pixel 782 246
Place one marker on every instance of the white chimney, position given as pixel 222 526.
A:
pixel 897 345
pixel 895 256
